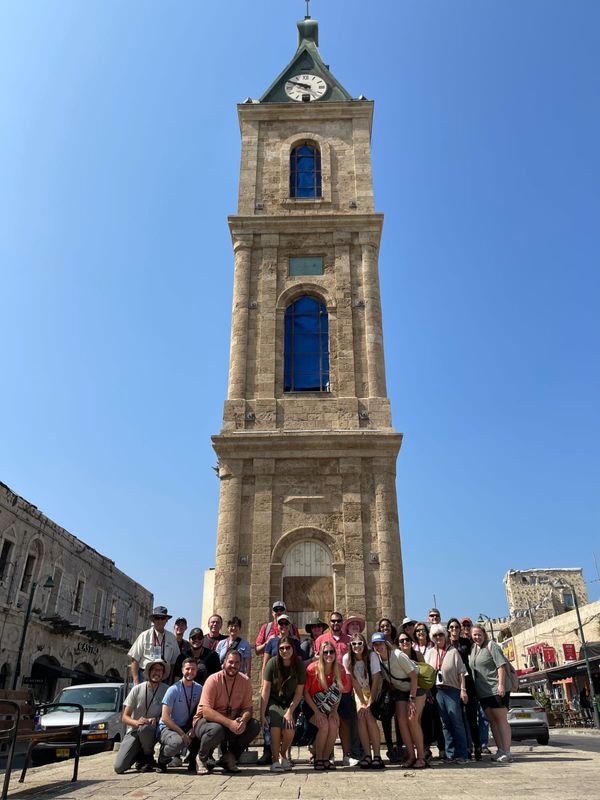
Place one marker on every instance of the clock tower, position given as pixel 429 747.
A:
pixel 307 451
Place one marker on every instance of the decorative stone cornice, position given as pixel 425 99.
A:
pixel 308 444
pixel 369 224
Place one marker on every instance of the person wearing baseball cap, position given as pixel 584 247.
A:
pixel 207 660
pixel 284 623
pixel 152 644
pixel 179 628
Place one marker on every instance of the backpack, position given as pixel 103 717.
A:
pixel 512 679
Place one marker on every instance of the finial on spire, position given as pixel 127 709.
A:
pixel 307 10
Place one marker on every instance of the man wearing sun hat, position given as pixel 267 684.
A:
pixel 152 644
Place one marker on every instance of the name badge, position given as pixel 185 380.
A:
pixel 156 653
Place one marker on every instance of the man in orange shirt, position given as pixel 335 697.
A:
pixel 224 716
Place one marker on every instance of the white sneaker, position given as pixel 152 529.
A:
pixel 504 758
pixel 349 761
pixel 277 767
pixel 286 764
pixel 497 754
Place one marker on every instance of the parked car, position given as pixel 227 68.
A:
pixel 102 726
pixel 527 718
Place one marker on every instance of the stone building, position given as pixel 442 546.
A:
pixel 81 627
pixel 532 595
pixel 307 452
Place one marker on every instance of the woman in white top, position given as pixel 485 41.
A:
pixel 450 693
pixel 365 671
pixel 401 673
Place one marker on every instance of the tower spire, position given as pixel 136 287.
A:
pixel 307 16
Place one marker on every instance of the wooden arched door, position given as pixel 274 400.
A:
pixel 308 581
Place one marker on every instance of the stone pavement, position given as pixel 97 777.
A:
pixel 568 768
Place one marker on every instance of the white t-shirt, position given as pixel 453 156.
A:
pixel 360 673
pixel 398 670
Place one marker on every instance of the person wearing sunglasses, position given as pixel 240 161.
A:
pixel 337 636
pixel 154 644
pixel 365 672
pixel 270 630
pixel 207 661
pixel 284 625
pixel 434 616
pixel 283 685
pixel 401 673
pixel 326 680
pixel 393 752
pixel 431 722
pixel 450 693
pixel 315 627
pixel 464 646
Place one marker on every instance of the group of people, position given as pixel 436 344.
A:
pixel 427 682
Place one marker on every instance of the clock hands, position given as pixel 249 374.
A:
pixel 302 85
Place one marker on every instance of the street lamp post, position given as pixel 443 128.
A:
pixel 482 618
pixel 47 585
pixel 562 584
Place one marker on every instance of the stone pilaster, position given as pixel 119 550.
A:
pixel 373 322
pixel 350 469
pixel 260 579
pixel 230 501
pixel 267 334
pixel 242 248
pixel 391 583
pixel 344 377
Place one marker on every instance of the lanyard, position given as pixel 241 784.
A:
pixel 148 704
pixel 229 693
pixel 438 661
pixel 156 641
pixel 189 702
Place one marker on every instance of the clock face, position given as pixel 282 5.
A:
pixel 306 85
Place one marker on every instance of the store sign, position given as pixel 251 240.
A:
pixel 33 681
pixel 85 647
pixel 549 655
pixel 569 652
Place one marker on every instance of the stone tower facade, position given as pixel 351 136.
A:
pixel 307 452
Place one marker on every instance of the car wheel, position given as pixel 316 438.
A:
pixel 543 739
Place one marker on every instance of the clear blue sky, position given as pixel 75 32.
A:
pixel 118 166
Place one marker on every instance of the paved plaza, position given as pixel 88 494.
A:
pixel 568 768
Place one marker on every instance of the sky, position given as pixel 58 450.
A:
pixel 119 164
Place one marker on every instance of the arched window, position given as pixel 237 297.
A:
pixel 306 354
pixel 305 171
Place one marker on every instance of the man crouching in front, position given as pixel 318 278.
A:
pixel 178 710
pixel 224 717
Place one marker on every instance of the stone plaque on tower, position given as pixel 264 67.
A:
pixel 307 451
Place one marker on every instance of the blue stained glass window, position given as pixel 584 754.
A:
pixel 305 171
pixel 306 346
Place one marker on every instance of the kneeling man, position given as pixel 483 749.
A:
pixel 178 710
pixel 141 713
pixel 224 716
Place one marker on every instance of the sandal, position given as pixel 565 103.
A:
pixel 420 763
pixel 319 764
pixel 329 764
pixel 408 763
pixel 366 762
pixel 377 763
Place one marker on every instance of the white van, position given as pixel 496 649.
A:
pixel 102 726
